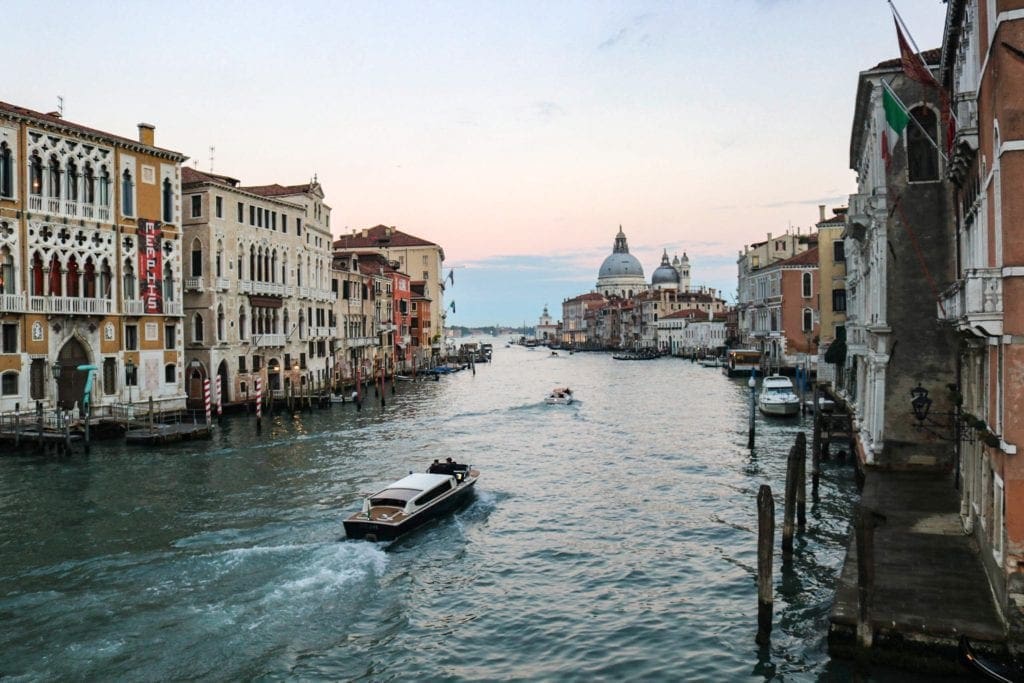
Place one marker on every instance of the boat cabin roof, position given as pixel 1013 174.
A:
pixel 777 381
pixel 412 485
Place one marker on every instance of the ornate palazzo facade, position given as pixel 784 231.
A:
pixel 90 254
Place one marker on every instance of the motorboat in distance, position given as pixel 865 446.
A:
pixel 778 397
pixel 411 502
pixel 559 396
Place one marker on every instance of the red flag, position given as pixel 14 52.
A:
pixel 913 65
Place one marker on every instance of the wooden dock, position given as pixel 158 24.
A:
pixel 167 433
pixel 925 585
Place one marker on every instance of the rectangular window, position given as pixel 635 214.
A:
pixel 257 363
pixel 170 373
pixel 284 224
pixel 10 338
pixel 131 337
pixel 37 379
pixel 298 226
pixel 241 364
pixel 273 220
pixel 220 207
pixel 170 336
pixel 197 205
pixel 9 384
pixel 287 361
pixel 838 251
pixel 838 300
pixel 252 215
pixel 197 263
pixel 259 217
pixel 241 212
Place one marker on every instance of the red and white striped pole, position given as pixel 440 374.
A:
pixel 259 403
pixel 220 397
pixel 206 398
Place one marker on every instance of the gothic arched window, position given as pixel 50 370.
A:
pixel 6 171
pixel 922 146
pixel 127 194
pixel 54 168
pixel 168 201
pixel 35 175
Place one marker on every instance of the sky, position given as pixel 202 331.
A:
pixel 518 135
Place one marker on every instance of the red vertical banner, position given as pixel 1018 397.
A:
pixel 150 266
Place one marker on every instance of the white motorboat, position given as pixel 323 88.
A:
pixel 559 396
pixel 778 396
pixel 412 501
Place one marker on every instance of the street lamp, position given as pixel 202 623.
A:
pixel 129 369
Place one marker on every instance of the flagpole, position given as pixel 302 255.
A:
pixel 917 50
pixel 913 118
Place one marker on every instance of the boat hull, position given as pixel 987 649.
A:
pixel 781 409
pixel 358 527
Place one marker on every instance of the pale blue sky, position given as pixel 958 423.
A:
pixel 518 135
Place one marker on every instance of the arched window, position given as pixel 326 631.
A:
pixel 37 275
pixel 197 328
pixel 808 322
pixel 9 384
pixel 197 258
pixel 273 266
pixel 922 149
pixel 252 262
pixel 71 286
pixel 170 373
pixel 220 323
pixel 127 193
pixel 35 175
pixel 219 263
pixel 89 279
pixel 241 322
pixel 168 282
pixel 54 189
pixel 72 181
pixel 89 186
pixel 807 285
pixel 6 171
pixel 6 271
pixel 239 258
pixel 286 322
pixel 168 201
pixel 129 279
pixel 106 279
pixel 104 186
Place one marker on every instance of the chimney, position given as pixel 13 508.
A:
pixel 146 131
pixel 821 211
pixel 54 114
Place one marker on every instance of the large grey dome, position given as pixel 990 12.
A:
pixel 665 274
pixel 621 263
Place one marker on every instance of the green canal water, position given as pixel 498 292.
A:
pixel 613 539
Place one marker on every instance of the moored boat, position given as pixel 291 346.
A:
pixel 987 667
pixel 741 362
pixel 778 397
pixel 411 502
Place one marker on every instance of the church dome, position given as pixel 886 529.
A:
pixel 621 263
pixel 665 274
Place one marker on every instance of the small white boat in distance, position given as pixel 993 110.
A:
pixel 778 396
pixel 559 396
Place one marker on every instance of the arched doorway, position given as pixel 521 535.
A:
pixel 196 374
pixel 274 374
pixel 222 372
pixel 72 380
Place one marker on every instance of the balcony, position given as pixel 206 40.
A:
pixel 13 303
pixel 329 332
pixel 261 288
pixel 193 284
pixel 357 342
pixel 133 307
pixel 268 340
pixel 975 303
pixel 221 284
pixel 55 206
pixel 137 307
pixel 69 305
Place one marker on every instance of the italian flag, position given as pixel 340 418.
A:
pixel 896 119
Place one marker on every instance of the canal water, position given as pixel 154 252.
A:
pixel 612 539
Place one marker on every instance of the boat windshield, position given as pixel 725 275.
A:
pixel 394 497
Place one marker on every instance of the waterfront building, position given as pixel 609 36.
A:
pixel 692 331
pixel 897 257
pixel 577 318
pixel 621 274
pixel 258 301
pixel 419 324
pixel 546 331
pixel 832 298
pixel 378 273
pixel 754 291
pixel 90 264
pixel 421 259
pixel 983 71
pixel 358 344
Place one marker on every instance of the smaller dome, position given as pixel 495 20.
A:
pixel 665 274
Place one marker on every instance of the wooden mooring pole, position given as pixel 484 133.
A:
pixel 765 548
pixel 816 447
pixel 801 480
pixel 789 508
pixel 752 383
pixel 865 531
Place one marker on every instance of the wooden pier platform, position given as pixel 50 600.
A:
pixel 168 433
pixel 929 585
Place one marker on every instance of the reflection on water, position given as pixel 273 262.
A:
pixel 612 539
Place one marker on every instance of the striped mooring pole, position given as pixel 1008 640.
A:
pixel 206 398
pixel 259 404
pixel 220 397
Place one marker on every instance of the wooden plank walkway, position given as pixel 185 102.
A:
pixel 929 583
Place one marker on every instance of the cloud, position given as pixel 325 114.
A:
pixel 833 200
pixel 633 33
pixel 547 111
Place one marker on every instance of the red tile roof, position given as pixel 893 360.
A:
pixel 277 190
pixel 191 175
pixel 55 120
pixel 374 236
pixel 805 258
